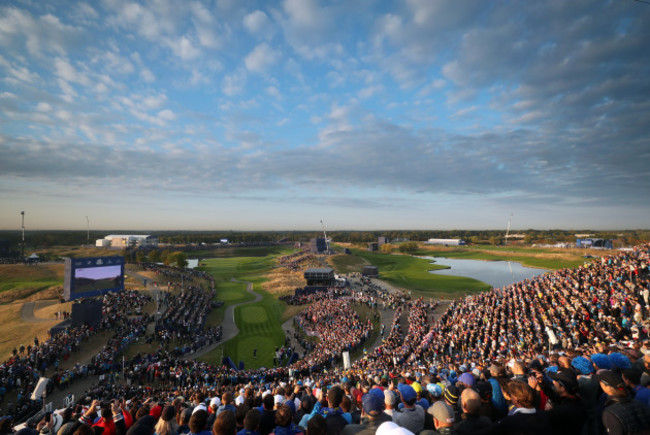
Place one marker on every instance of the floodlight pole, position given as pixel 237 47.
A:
pixel 22 250
pixel 88 227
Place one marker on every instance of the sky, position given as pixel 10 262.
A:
pixel 256 115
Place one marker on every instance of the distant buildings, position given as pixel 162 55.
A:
pixel 449 242
pixel 126 240
pixel 594 243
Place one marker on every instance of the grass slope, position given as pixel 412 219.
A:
pixel 19 281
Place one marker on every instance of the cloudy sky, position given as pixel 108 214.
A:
pixel 242 114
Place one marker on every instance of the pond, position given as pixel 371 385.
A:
pixel 494 273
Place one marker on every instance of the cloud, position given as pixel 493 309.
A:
pixel 233 83
pixel 257 22
pixel 261 58
pixel 167 115
pixel 40 35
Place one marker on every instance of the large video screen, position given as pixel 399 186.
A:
pixel 86 277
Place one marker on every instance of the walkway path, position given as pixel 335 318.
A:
pixel 27 310
pixel 228 326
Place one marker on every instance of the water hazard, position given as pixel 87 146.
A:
pixel 494 273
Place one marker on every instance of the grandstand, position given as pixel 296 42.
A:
pixel 532 348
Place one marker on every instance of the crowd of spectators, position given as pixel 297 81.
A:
pixel 565 352
pixel 296 261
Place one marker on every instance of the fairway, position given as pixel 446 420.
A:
pixel 259 323
pixel 252 314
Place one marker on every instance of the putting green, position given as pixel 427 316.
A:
pixel 254 314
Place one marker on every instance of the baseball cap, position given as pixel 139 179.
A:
pixel 407 392
pixel 372 404
pixel 611 379
pixel 484 389
pixel 390 397
pixel 566 378
pixel 467 379
pixel 442 412
pixel 435 390
pixel 391 428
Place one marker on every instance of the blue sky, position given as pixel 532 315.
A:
pixel 366 114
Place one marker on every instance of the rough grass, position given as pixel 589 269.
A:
pixel 15 331
pixel 344 263
pixel 20 282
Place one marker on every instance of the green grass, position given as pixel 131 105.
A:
pixel 411 273
pixel 259 328
pixel 261 251
pixel 259 324
pixel 527 256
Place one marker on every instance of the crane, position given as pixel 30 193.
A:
pixel 508 229
pixel 327 243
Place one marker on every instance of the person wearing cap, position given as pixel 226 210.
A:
pixel 471 421
pixel 411 416
pixel 443 417
pixel 390 401
pixel 621 415
pixel 496 371
pixel 484 390
pixel 451 396
pixel 372 416
pixel 569 412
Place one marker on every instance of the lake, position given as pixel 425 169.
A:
pixel 494 273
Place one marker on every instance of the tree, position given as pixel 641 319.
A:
pixel 408 247
pixel 165 257
pixel 154 256
pixel 140 256
pixel 387 248
pixel 180 259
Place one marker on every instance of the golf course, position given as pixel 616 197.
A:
pixel 258 314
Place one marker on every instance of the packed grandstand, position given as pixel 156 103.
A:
pixel 566 352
